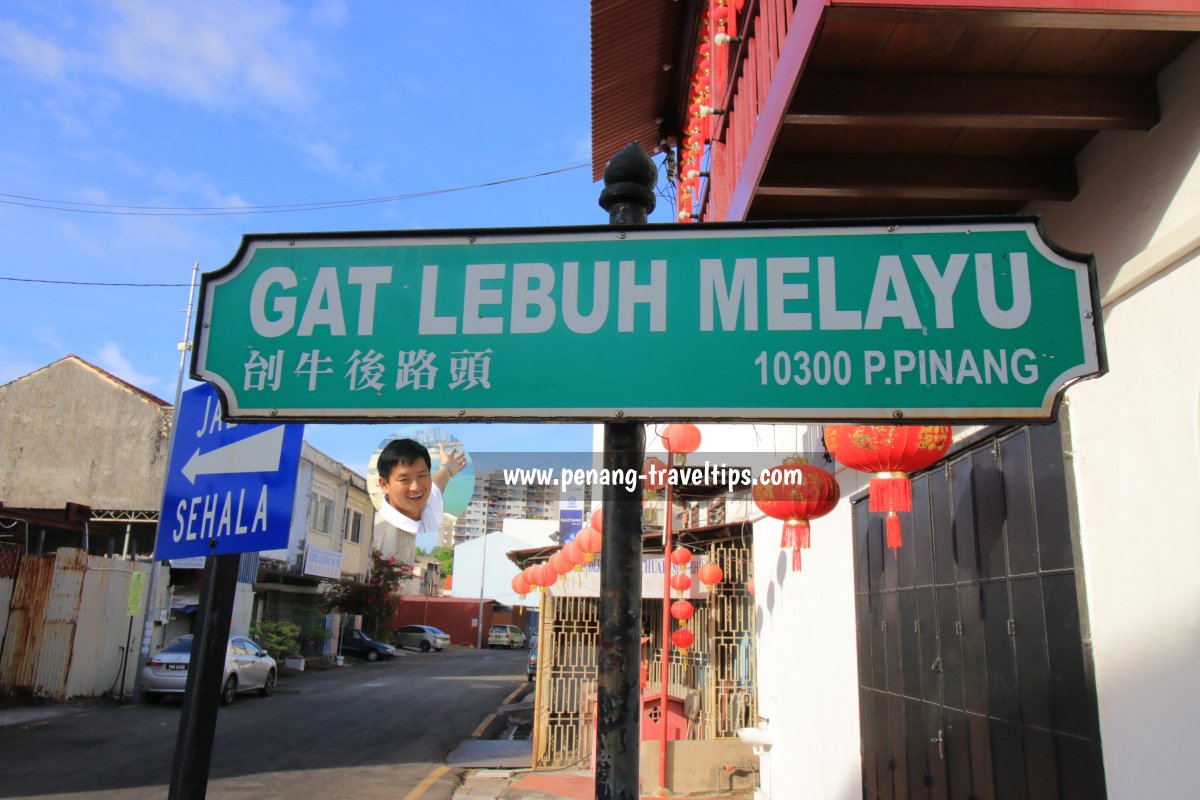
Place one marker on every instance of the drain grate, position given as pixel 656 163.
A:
pixel 519 733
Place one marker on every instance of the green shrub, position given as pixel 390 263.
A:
pixel 280 639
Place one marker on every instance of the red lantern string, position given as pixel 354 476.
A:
pixel 546 576
pixel 683 639
pixel 590 541
pixel 681 438
pixel 711 574
pixel 559 563
pixel 574 553
pixel 654 471
pixel 682 610
pixel 680 556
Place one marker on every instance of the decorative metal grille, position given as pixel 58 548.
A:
pixel 719 668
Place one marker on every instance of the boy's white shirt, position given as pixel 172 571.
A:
pixel 431 515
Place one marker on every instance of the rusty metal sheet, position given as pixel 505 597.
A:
pixel 26 615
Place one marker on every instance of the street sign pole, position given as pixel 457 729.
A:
pixel 628 196
pixel 202 696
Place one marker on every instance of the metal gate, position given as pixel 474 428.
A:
pixel 975 680
pixel 719 670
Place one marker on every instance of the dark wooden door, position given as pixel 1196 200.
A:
pixel 975 681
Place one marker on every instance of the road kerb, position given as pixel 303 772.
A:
pixel 426 782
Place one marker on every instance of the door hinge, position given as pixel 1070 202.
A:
pixel 936 666
pixel 917 626
pixel 958 627
pixel 883 626
pixel 1012 627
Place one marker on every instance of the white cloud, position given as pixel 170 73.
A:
pixel 217 53
pixel 324 156
pixel 111 359
pixel 30 52
pixel 46 334
pixel 328 14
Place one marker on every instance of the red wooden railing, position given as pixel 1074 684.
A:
pixel 741 78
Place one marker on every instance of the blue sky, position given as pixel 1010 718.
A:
pixel 113 105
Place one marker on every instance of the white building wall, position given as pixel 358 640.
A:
pixel 470 574
pixel 804 623
pixel 1136 438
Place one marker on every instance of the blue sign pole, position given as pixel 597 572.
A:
pixel 229 490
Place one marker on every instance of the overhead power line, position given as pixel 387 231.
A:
pixel 284 208
pixel 88 283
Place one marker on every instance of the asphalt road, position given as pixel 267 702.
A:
pixel 365 731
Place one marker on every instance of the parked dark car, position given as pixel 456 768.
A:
pixel 424 637
pixel 358 644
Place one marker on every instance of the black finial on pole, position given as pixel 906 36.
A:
pixel 629 180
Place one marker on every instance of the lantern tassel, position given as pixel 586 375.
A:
pixel 894 536
pixel 795 559
pixel 891 491
pixel 804 534
pixel 789 534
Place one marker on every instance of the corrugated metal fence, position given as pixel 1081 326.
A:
pixel 65 626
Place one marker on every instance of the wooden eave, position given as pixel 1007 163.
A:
pixel 922 108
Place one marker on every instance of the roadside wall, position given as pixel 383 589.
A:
pixel 1135 438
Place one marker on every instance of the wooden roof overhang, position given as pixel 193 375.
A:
pixel 881 108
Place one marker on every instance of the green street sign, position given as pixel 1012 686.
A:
pixel 958 320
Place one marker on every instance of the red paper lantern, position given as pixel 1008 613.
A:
pixel 590 541
pixel 559 563
pixel 682 610
pixel 890 452
pixel 520 585
pixel 680 556
pixel 546 576
pixel 529 575
pixel 796 500
pixel 681 582
pixel 655 472
pixel 681 437
pixel 683 638
pixel 574 553
pixel 750 587
pixel 597 520
pixel 711 574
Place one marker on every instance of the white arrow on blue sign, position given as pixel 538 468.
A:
pixel 230 487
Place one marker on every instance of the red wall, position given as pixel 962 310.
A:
pixel 454 615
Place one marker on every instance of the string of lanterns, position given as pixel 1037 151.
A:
pixel 718 28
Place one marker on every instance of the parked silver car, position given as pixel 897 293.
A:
pixel 247 668
pixel 424 637
pixel 508 636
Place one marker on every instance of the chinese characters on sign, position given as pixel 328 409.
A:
pixel 415 370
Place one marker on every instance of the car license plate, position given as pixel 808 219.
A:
pixel 177 666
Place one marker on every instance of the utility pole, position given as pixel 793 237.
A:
pixel 628 197
pixel 185 347
pixel 482 572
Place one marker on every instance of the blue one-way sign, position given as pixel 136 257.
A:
pixel 229 486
